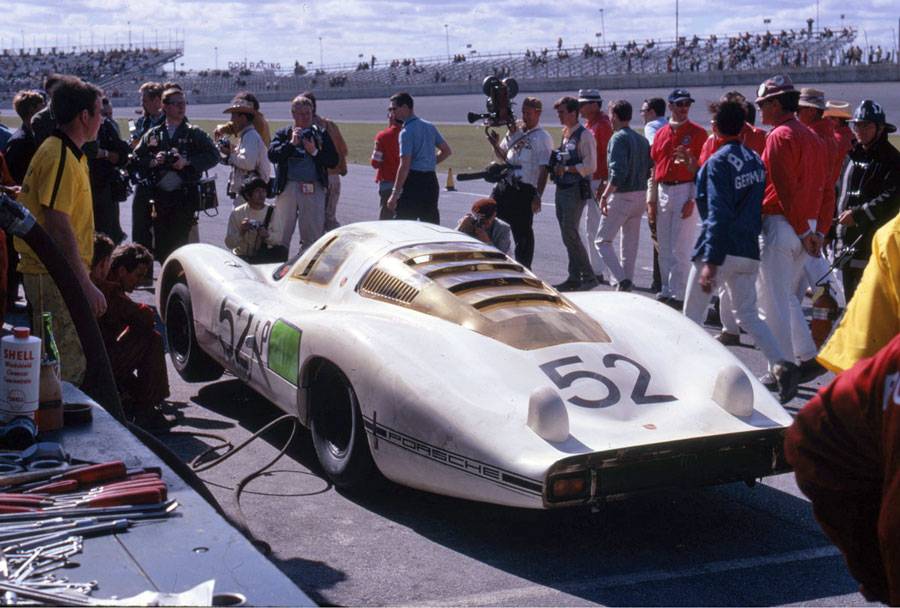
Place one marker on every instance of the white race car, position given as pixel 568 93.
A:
pixel 451 368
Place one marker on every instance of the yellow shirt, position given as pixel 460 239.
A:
pixel 58 179
pixel 873 314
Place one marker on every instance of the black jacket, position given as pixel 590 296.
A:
pixel 870 187
pixel 282 149
pixel 190 140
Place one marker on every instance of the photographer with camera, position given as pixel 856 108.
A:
pixel 302 154
pixel 107 156
pixel 483 224
pixel 251 227
pixel 518 196
pixel 250 157
pixel 571 166
pixel 173 156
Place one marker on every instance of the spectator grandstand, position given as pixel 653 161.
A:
pixel 743 51
pixel 120 70
pixel 113 69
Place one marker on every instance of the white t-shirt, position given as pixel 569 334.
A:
pixel 531 149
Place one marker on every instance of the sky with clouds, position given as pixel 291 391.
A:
pixel 284 31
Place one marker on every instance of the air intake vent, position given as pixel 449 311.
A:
pixel 382 285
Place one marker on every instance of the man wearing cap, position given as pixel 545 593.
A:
pixel 575 162
pixel 250 157
pixel 174 154
pixel 838 112
pixel 790 214
pixel 676 148
pixel 870 188
pixel 528 146
pixel 623 199
pixel 597 122
pixel 811 113
pixel 483 224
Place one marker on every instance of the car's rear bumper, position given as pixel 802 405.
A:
pixel 686 463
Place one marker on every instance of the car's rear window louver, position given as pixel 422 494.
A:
pixel 380 284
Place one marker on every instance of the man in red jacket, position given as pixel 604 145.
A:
pixel 386 161
pixel 676 148
pixel 811 113
pixel 597 122
pixel 790 218
pixel 844 446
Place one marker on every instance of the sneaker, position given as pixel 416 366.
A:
pixel 769 381
pixel 728 339
pixel 810 370
pixel 567 285
pixel 787 378
pixel 624 285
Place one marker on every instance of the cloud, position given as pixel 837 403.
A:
pixel 283 31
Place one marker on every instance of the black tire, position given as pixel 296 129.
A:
pixel 338 430
pixel 191 363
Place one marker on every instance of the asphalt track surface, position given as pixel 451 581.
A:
pixel 725 545
pixel 449 109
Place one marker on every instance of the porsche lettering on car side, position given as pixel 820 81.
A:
pixel 416 353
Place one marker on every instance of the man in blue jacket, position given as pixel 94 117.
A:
pixel 730 188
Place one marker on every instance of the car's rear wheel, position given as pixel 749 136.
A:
pixel 338 431
pixel 191 363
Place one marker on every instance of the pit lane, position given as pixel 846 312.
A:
pixel 727 545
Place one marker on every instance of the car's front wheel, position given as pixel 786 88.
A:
pixel 191 363
pixel 338 431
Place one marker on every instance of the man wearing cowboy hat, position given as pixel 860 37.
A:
pixel 870 188
pixel 838 112
pixel 251 156
pixel 790 211
pixel 811 112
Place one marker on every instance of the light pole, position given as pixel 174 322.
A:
pixel 216 50
pixel 602 26
pixel 676 35
pixel 321 54
pixel 447 38
pixel 129 35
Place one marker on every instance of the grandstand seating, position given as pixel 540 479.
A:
pixel 125 69
pixel 111 69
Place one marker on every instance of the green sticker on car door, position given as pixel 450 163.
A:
pixel 284 351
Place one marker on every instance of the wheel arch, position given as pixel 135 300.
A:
pixel 172 273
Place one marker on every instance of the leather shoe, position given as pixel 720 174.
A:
pixel 769 381
pixel 601 279
pixel 588 284
pixel 787 378
pixel 728 339
pixel 810 370
pixel 624 285
pixel 567 285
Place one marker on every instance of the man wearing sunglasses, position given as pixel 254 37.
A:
pixel 676 148
pixel 173 156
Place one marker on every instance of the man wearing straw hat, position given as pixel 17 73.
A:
pixel 250 157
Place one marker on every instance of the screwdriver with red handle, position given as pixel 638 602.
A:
pixel 138 495
pixel 71 485
pixel 108 471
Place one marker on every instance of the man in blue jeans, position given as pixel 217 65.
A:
pixel 415 194
pixel 572 164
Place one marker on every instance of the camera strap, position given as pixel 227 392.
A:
pixel 268 216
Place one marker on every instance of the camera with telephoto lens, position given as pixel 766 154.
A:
pixel 171 157
pixel 223 142
pixel 499 102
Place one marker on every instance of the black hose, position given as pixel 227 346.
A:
pixel 99 382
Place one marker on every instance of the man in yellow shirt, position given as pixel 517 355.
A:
pixel 872 318
pixel 57 191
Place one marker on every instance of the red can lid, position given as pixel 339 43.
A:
pixel 21 332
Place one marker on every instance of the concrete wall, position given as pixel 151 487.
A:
pixel 861 73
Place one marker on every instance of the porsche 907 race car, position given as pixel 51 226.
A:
pixel 447 366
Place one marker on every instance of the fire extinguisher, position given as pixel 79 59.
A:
pixel 825 311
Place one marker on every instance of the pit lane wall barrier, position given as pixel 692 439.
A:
pixel 883 72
